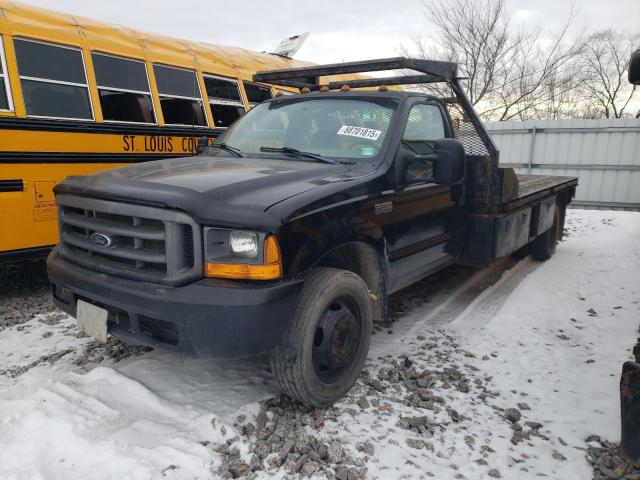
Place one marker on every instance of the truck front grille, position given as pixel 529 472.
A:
pixel 128 240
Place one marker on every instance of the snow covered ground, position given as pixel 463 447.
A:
pixel 445 385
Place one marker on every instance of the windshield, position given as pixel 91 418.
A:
pixel 342 129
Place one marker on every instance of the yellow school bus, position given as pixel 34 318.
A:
pixel 78 96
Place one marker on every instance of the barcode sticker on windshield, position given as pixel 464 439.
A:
pixel 360 132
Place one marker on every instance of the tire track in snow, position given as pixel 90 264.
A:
pixel 480 311
pixel 443 299
pixel 450 295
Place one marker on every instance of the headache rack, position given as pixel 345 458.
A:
pixel 486 182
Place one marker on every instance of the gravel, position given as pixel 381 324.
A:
pixel 288 440
pixel 607 463
pixel 512 415
pixel 287 436
pixel 113 349
pixel 25 294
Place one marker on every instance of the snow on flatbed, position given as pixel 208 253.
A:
pixel 547 339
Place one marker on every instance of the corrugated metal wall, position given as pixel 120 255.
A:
pixel 604 154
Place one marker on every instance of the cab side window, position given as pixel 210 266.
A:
pixel 424 126
pixel 124 90
pixel 180 97
pixel 224 98
pixel 53 80
pixel 5 91
pixel 256 93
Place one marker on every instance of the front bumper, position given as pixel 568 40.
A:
pixel 209 317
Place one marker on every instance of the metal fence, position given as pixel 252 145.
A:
pixel 604 154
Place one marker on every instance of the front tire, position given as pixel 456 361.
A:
pixel 327 341
pixel 543 247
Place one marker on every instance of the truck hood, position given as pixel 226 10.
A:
pixel 222 190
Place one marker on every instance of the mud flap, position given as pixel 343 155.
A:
pixel 630 412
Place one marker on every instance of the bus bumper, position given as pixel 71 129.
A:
pixel 210 317
pixel 24 254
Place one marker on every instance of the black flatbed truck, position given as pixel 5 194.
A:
pixel 289 232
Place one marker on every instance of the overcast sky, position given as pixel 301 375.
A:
pixel 339 30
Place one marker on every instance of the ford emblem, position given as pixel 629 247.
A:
pixel 101 239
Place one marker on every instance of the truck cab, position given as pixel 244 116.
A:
pixel 288 233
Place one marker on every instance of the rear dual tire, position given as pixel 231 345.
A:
pixel 327 341
pixel 543 247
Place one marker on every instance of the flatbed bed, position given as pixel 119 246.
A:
pixel 532 188
pixel 533 185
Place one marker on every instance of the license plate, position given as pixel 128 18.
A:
pixel 92 320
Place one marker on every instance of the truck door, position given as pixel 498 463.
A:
pixel 427 231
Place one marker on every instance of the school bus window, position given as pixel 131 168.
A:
pixel 256 93
pixel 225 115
pixel 180 97
pixel 5 91
pixel 123 86
pixel 224 98
pixel 53 80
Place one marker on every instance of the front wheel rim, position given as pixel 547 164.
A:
pixel 337 340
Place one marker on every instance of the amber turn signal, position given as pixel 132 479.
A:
pixel 270 269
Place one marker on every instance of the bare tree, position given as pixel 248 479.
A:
pixel 540 74
pixel 562 98
pixel 604 64
pixel 510 73
pixel 476 35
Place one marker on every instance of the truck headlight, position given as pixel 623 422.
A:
pixel 241 254
pixel 244 243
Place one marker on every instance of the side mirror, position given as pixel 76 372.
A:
pixel 449 164
pixel 446 166
pixel 417 168
pixel 634 68
pixel 203 143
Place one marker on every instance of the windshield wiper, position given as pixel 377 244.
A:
pixel 299 153
pixel 228 148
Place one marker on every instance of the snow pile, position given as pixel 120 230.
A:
pixel 148 417
pixel 98 425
